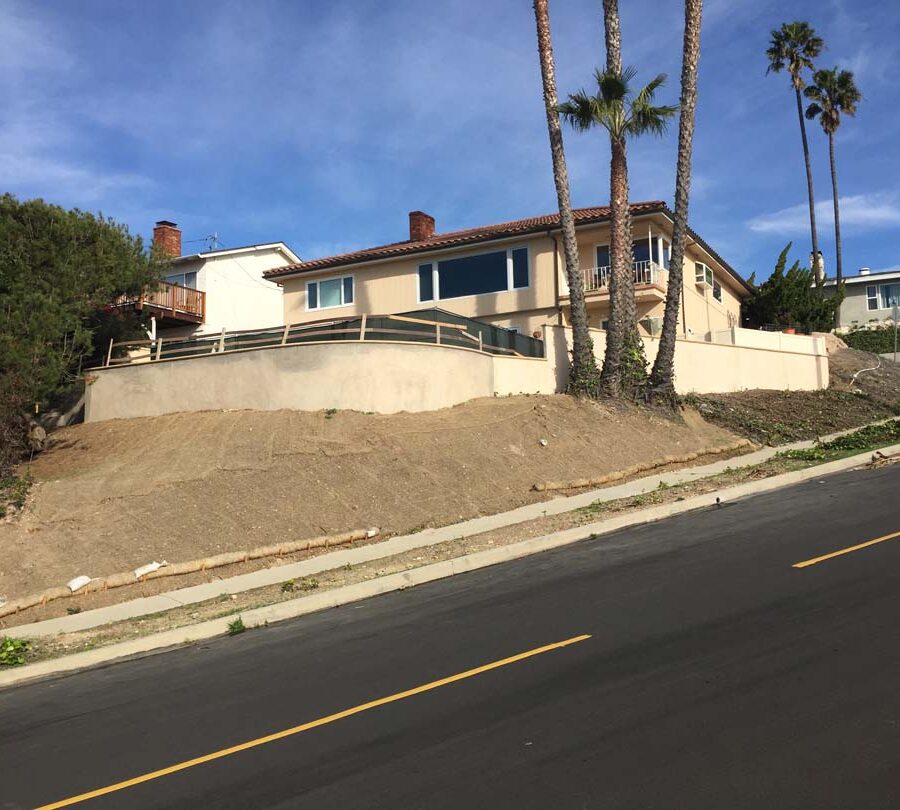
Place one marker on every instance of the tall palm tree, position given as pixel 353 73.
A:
pixel 833 93
pixel 662 377
pixel 624 114
pixel 792 48
pixel 584 376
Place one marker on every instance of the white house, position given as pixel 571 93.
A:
pixel 207 292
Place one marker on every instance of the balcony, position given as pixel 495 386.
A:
pixel 645 273
pixel 170 302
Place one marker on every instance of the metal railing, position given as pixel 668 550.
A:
pixel 597 278
pixel 405 328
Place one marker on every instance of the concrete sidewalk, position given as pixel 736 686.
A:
pixel 388 548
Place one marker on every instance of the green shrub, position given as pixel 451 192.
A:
pixel 236 627
pixel 878 341
pixel 12 651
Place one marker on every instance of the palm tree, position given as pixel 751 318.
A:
pixel 584 376
pixel 662 377
pixel 623 114
pixel 793 47
pixel 832 93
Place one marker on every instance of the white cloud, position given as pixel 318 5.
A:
pixel 861 211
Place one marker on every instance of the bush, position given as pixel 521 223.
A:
pixel 879 340
pixel 12 651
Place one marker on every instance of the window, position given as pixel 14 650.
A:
pixel 667 254
pixel 890 295
pixel 426 282
pixel 602 255
pixel 328 293
pixel 703 275
pixel 872 297
pixel 640 249
pixel 183 280
pixel 484 273
pixel 717 291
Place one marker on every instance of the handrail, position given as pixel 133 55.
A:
pixel 644 272
pixel 168 348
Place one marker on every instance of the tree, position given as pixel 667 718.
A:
pixel 584 375
pixel 792 48
pixel 832 93
pixel 624 114
pixel 59 272
pixel 662 377
pixel 791 299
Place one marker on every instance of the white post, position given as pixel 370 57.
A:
pixel 437 330
pixel 158 348
pixel 222 341
pixel 480 342
pixel 109 353
pixel 362 328
pixel 284 337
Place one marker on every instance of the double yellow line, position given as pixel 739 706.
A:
pixel 322 721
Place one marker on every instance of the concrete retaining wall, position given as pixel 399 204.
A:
pixel 390 377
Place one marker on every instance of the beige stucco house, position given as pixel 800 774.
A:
pixel 512 274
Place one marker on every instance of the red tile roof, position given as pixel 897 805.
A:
pixel 485 233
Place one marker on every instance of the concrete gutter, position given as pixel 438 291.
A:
pixel 169 639
pixel 277 574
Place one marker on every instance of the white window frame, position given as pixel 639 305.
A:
pixel 882 295
pixel 436 275
pixel 343 303
pixel 872 295
pixel 717 287
pixel 183 278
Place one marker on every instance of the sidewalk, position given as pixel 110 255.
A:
pixel 353 556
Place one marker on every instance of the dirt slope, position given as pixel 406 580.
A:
pixel 118 494
pixel 777 417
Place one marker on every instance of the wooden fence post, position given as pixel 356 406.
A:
pixel 158 347
pixel 437 330
pixel 362 328
pixel 222 341
pixel 284 337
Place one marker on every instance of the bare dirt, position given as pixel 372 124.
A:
pixel 114 495
pixel 777 417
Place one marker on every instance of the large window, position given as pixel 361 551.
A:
pixel 183 280
pixel 882 296
pixel 497 271
pixel 602 255
pixel 329 293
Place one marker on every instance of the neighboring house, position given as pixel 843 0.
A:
pixel 513 275
pixel 207 292
pixel 869 298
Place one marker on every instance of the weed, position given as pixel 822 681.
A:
pixel 236 627
pixel 663 485
pixel 288 587
pixel 12 651
pixel 13 492
pixel 308 584
pixel 73 610
pixel 330 412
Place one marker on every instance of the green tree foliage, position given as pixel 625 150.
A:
pixel 59 273
pixel 879 340
pixel 790 298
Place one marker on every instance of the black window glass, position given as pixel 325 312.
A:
pixel 473 275
pixel 426 283
pixel 520 267
pixel 641 249
pixel 312 295
pixel 348 290
pixel 603 256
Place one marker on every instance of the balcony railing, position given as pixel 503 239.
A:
pixel 597 278
pixel 171 301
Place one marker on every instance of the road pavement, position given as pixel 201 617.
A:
pixel 701 670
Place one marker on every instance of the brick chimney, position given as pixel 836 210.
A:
pixel 167 237
pixel 421 226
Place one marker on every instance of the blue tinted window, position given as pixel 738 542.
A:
pixel 520 267
pixel 473 275
pixel 641 250
pixel 426 283
pixel 603 256
pixel 348 290
pixel 312 295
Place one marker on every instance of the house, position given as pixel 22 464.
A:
pixel 869 298
pixel 205 293
pixel 513 275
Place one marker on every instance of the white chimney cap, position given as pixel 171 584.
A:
pixel 864 271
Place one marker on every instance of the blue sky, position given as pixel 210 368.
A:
pixel 323 122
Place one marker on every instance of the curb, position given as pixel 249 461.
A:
pixel 170 639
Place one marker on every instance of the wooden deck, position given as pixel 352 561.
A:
pixel 171 302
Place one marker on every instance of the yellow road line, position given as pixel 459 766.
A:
pixel 814 560
pixel 331 718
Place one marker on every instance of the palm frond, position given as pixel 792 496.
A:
pixel 578 111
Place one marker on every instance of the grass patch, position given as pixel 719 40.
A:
pixel 236 627
pixel 867 438
pixel 13 492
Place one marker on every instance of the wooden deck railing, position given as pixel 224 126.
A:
pixel 172 300
pixel 324 331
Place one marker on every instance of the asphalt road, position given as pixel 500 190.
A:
pixel 716 675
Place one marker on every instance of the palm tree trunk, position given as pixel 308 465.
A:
pixel 624 349
pixel 584 375
pixel 662 378
pixel 809 188
pixel 839 270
